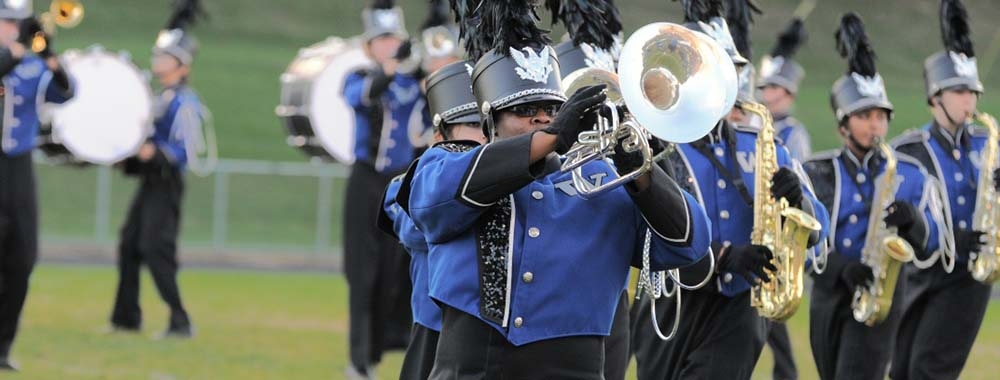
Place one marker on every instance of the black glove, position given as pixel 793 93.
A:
pixel 856 274
pixel 748 261
pixel 996 179
pixel 570 120
pixel 901 215
pixel 786 184
pixel 968 241
pixel 626 162
pixel 30 27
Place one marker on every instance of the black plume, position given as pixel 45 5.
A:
pixel 955 28
pixel 513 24
pixel 702 10
pixel 739 18
pixel 468 16
pixel 186 13
pixel 383 4
pixel 853 45
pixel 790 39
pixel 437 15
pixel 588 22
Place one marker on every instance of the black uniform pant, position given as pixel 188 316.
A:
pixel 942 316
pixel 781 347
pixel 470 349
pixel 377 270
pixel 18 241
pixel 718 338
pixel 419 359
pixel 843 347
pixel 150 236
pixel 616 346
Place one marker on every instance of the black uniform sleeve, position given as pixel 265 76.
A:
pixel 661 206
pixel 379 84
pixel 835 264
pixel 7 62
pixel 500 169
pixel 63 85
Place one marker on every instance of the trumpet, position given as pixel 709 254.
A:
pixel 66 14
pixel 675 83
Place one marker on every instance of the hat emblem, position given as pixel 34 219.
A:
pixel 532 66
pixel 16 4
pixel 871 87
pixel 964 65
pixel 597 58
pixel 719 31
pixel 386 18
pixel 168 38
pixel 770 66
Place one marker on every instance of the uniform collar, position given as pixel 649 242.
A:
pixel 949 141
pixel 870 161
pixel 723 131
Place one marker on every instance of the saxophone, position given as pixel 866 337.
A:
pixel 984 264
pixel 780 227
pixel 884 251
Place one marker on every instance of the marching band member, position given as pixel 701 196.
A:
pixel 29 79
pixel 780 77
pixel 508 232
pixel 720 336
pixel 946 305
pixel 857 189
pixel 149 234
pixel 592 27
pixel 389 115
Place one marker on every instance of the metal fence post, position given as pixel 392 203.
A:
pixel 324 202
pixel 102 205
pixel 220 207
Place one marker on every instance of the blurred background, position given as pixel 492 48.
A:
pixel 270 209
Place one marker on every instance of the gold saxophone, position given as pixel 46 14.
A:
pixel 984 264
pixel 780 227
pixel 884 251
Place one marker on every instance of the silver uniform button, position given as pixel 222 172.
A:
pixel 720 152
pixel 534 232
pixel 724 215
pixel 959 177
pixel 727 278
pixel 518 322
pixel 962 224
pixel 862 178
pixel 528 277
pixel 727 243
pixel 853 219
pixel 961 200
pixel 537 194
pixel 847 243
pixel 857 197
pixel 722 184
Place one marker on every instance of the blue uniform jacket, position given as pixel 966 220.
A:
pixel 848 189
pixel 425 311
pixel 178 124
pixel 955 164
pixel 794 136
pixel 730 212
pixel 562 261
pixel 28 86
pixel 390 118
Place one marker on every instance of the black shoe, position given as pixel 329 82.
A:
pixel 186 332
pixel 8 365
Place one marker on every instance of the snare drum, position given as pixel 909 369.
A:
pixel 317 118
pixel 110 115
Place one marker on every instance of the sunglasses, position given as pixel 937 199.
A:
pixel 529 110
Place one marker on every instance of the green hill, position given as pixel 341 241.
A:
pixel 246 44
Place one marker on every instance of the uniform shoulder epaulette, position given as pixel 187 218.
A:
pixel 912 136
pixel 746 129
pixel 456 146
pixel 904 158
pixel 824 155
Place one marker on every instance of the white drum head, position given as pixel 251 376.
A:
pixel 332 118
pixel 110 115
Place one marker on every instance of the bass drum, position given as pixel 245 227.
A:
pixel 110 115
pixel 316 116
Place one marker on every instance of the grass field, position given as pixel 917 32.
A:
pixel 251 325
pixel 247 44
